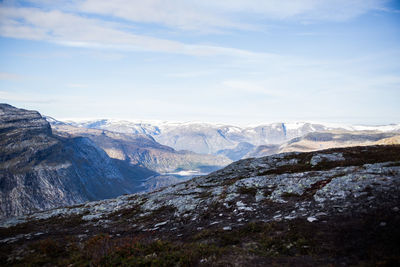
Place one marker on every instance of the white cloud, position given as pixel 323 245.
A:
pixel 183 14
pixel 71 23
pixel 301 9
pixel 191 14
pixel 74 30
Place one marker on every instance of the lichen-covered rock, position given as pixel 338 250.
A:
pixel 304 190
pixel 318 158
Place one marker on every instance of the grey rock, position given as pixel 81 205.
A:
pixel 318 158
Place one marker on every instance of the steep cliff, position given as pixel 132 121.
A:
pixel 39 170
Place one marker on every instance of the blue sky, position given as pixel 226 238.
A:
pixel 237 61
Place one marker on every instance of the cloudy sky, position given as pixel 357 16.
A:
pixel 232 61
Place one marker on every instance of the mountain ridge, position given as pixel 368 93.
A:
pixel 217 139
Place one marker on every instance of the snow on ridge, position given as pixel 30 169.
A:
pixel 383 128
pixel 294 125
pixel 162 124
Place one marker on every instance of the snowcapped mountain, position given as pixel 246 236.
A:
pixel 208 138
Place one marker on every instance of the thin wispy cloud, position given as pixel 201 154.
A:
pixel 10 76
pixel 77 31
pixel 74 28
pixel 190 14
pixel 9 97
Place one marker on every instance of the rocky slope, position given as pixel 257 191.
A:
pixel 39 170
pixel 332 207
pixel 209 138
pixel 143 150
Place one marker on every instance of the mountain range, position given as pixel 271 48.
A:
pixel 241 142
pixel 46 163
pixel 142 150
pixel 44 166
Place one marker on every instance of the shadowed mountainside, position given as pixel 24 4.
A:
pixel 39 170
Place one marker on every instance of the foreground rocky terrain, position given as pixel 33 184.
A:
pixel 332 207
pixel 40 170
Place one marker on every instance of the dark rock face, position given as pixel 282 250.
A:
pixel 331 207
pixel 24 134
pixel 39 170
pixel 15 121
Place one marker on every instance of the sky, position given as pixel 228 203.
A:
pixel 226 61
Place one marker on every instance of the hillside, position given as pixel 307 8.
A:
pixel 332 207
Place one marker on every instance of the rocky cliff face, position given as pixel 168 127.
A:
pixel 39 170
pixel 331 207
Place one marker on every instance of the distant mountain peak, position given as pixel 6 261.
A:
pixel 209 138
